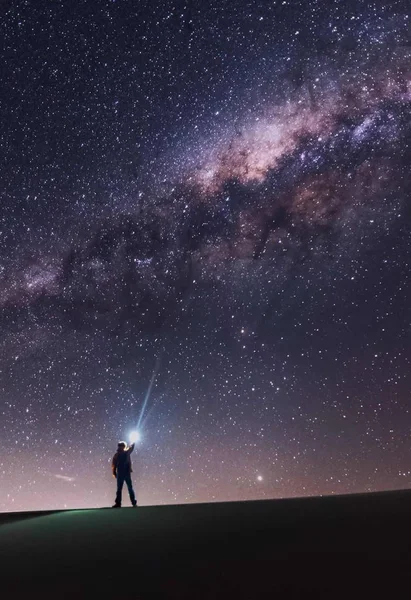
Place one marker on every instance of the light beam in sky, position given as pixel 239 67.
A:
pixel 148 393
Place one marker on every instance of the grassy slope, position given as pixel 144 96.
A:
pixel 301 544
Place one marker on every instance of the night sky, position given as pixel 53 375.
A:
pixel 215 197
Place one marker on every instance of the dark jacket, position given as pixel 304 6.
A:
pixel 121 462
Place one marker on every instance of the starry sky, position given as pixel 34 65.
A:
pixel 204 234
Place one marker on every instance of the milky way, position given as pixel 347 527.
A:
pixel 223 193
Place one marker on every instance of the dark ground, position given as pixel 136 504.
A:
pixel 336 547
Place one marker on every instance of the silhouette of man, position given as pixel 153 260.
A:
pixel 121 467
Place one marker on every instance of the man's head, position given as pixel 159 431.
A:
pixel 121 446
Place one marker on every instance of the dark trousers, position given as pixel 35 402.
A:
pixel 121 478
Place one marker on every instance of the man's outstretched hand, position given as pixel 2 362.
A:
pixel 115 475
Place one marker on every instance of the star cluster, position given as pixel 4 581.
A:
pixel 204 232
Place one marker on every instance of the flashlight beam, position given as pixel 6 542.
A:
pixel 148 393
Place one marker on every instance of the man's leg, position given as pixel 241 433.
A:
pixel 130 489
pixel 120 483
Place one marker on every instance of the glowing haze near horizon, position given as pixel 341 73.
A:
pixel 205 213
